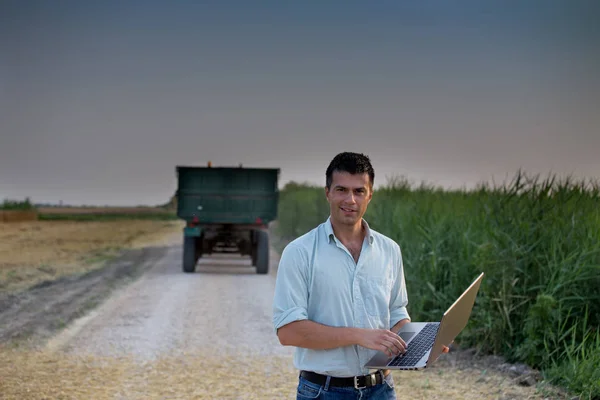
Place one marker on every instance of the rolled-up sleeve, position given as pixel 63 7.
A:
pixel 399 299
pixel 290 302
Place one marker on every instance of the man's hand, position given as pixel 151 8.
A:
pixel 383 340
pixel 447 349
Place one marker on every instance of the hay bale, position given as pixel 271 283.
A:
pixel 18 215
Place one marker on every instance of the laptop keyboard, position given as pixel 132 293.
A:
pixel 418 346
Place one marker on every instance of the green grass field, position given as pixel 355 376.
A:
pixel 538 242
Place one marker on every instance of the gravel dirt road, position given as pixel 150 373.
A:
pixel 207 335
pixel 223 308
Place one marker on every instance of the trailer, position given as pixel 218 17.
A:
pixel 226 210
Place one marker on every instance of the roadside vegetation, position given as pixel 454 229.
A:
pixel 538 242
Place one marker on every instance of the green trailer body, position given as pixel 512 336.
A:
pixel 227 210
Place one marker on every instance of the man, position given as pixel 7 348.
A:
pixel 340 293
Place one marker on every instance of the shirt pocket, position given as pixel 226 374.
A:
pixel 377 296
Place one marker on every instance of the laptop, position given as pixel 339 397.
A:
pixel 425 340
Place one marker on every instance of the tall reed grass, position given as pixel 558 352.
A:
pixel 537 240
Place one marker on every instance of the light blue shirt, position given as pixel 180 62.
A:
pixel 319 280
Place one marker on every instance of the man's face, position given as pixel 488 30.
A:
pixel 348 197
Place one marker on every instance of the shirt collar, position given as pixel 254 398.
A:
pixel 331 235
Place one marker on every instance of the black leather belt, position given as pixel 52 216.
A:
pixel 358 382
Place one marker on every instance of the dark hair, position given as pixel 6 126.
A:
pixel 353 163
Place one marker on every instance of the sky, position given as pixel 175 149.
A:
pixel 99 102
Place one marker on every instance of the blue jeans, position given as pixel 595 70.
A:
pixel 308 390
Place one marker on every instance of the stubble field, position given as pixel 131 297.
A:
pixel 36 251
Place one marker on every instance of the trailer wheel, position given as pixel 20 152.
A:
pixel 254 256
pixel 199 246
pixel 253 247
pixel 262 252
pixel 189 254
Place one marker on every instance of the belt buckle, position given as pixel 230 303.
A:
pixel 371 376
pixel 356 384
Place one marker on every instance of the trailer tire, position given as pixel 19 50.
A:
pixel 253 247
pixel 199 246
pixel 253 255
pixel 189 254
pixel 262 252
